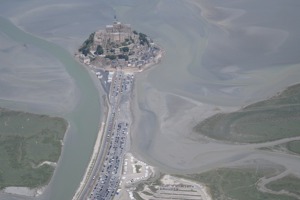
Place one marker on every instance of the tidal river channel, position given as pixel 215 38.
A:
pixel 220 56
pixel 84 118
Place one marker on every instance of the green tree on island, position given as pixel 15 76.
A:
pixel 125 49
pixel 111 57
pixel 121 56
pixel 85 48
pixel 99 50
pixel 143 39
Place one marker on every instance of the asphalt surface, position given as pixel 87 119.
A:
pixel 103 181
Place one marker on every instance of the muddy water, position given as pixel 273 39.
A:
pixel 64 88
pixel 220 55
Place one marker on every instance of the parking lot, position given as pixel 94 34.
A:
pixel 107 181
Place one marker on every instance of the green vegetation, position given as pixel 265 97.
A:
pixel 122 56
pixel 127 41
pixel 276 118
pixel 27 140
pixel 85 48
pixel 290 96
pixel 143 39
pixel 137 196
pixel 99 50
pixel 147 193
pixel 131 40
pixel 112 44
pixel 294 146
pixel 111 57
pixel 125 49
pixel 152 184
pixel 288 183
pixel 139 187
pixel 236 183
pixel 138 168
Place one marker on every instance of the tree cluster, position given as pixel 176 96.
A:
pixel 111 57
pixel 125 49
pixel 143 39
pixel 122 56
pixel 85 47
pixel 99 50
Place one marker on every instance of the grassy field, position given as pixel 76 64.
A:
pixel 138 168
pixel 294 146
pixel 26 140
pixel 236 183
pixel 288 183
pixel 276 118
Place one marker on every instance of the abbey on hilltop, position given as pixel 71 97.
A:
pixel 117 32
pixel 119 46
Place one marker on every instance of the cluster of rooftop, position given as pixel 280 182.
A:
pixel 119 46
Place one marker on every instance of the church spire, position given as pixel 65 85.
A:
pixel 115 19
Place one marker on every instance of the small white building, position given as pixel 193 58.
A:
pixel 110 76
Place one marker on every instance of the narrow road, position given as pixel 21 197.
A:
pixel 104 167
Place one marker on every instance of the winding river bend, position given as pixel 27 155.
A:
pixel 218 55
pixel 84 118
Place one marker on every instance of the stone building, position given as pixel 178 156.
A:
pixel 118 32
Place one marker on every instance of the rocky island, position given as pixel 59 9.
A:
pixel 118 46
pixel 114 55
